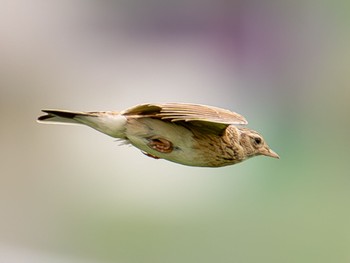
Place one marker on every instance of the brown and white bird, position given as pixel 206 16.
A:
pixel 189 134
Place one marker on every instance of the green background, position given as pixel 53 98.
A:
pixel 69 194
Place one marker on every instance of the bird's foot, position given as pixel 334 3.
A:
pixel 150 155
pixel 160 145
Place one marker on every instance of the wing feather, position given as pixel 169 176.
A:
pixel 176 112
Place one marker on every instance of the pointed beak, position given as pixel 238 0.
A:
pixel 270 153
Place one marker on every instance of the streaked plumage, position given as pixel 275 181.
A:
pixel 189 134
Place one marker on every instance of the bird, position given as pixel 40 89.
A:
pixel 185 133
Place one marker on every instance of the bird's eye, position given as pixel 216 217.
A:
pixel 257 140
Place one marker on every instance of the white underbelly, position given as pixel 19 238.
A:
pixel 139 131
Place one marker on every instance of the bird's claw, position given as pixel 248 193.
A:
pixel 150 155
pixel 160 145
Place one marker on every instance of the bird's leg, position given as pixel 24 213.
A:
pixel 160 145
pixel 150 155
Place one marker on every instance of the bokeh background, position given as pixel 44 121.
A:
pixel 69 194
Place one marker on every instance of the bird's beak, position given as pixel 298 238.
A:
pixel 270 153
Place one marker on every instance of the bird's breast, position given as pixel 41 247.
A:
pixel 188 146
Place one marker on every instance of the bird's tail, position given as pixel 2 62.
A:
pixel 110 123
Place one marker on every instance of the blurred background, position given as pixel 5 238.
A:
pixel 70 194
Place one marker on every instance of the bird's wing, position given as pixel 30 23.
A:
pixel 194 114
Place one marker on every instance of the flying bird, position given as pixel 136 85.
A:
pixel 188 134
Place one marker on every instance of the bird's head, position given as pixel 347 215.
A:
pixel 254 144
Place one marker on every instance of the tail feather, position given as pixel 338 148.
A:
pixel 110 123
pixel 61 116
